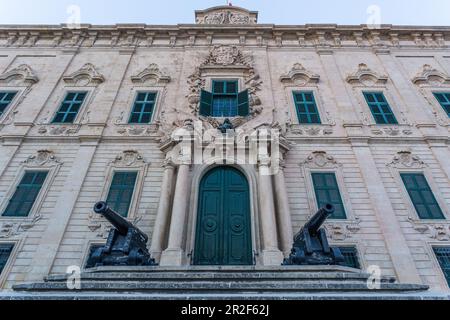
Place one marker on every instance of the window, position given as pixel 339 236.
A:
pixel 5 100
pixel 443 257
pixel 421 196
pixel 380 108
pixel 70 107
pixel 143 107
pixel 327 191
pixel 350 257
pixel 92 249
pixel 306 107
pixel 444 100
pixel 121 192
pixel 224 101
pixel 25 195
pixel 5 252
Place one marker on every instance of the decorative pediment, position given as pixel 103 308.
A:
pixel 42 158
pixel 152 75
pixel 86 76
pixel 320 159
pixel 430 76
pixel 129 158
pixel 226 15
pixel 406 160
pixel 22 75
pixel 226 56
pixel 366 77
pixel 300 76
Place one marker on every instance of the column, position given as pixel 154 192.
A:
pixel 397 247
pixel 271 255
pixel 283 212
pixel 173 255
pixel 162 216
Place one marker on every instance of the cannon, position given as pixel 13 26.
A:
pixel 126 244
pixel 311 244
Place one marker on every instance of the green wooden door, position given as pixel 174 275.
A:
pixel 223 233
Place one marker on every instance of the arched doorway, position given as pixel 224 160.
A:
pixel 223 231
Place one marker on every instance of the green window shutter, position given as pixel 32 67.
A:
pixel 121 191
pixel 444 101
pixel 243 105
pixel 306 107
pixel 350 257
pixel 206 100
pixel 443 257
pixel 25 195
pixel 421 196
pixel 143 108
pixel 381 111
pixel 327 191
pixel 5 252
pixel 70 107
pixel 6 97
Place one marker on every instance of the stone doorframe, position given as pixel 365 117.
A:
pixel 198 172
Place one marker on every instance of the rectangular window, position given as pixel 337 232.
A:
pixel 25 195
pixel 143 107
pixel 224 100
pixel 306 107
pixel 421 196
pixel 443 257
pixel 350 257
pixel 6 97
pixel 444 100
pixel 5 252
pixel 70 107
pixel 327 191
pixel 380 108
pixel 121 192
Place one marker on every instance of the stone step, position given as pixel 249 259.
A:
pixel 244 286
pixel 219 276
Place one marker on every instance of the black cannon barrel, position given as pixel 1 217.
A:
pixel 319 218
pixel 119 222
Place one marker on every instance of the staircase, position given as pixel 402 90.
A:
pixel 237 283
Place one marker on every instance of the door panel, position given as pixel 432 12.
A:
pixel 223 234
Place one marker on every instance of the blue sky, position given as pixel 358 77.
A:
pixel 413 12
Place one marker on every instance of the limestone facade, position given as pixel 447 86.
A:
pixel 337 63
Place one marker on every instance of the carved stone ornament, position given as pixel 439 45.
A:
pixel 10 229
pixel 22 75
pixel 225 59
pixel 42 158
pixel 87 75
pixel 68 130
pixel 138 131
pixel 300 76
pixel 226 15
pixel 300 130
pixel 406 160
pixel 392 131
pixel 320 159
pixel 366 77
pixel 151 75
pixel 128 158
pixel 439 232
pixel 430 76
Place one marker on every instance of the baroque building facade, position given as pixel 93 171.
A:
pixel 89 114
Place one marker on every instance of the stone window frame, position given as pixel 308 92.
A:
pixel 409 205
pixel 86 248
pixel 436 108
pixel 21 93
pixel 18 244
pixel 209 80
pixel 52 168
pixel 160 93
pixel 337 169
pixel 141 167
pixel 82 112
pixel 428 246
